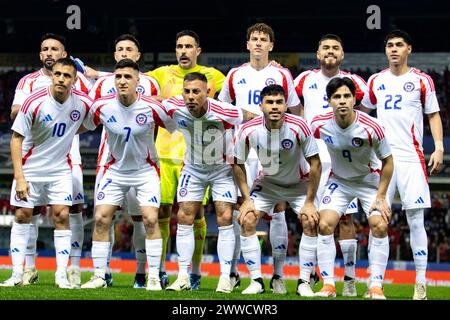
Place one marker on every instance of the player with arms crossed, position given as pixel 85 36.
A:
pixel 42 137
pixel 129 119
pixel 401 95
pixel 203 122
pixel 311 89
pixel 127 47
pixel 171 147
pixel 280 140
pixel 243 86
pixel 356 143
pixel 52 48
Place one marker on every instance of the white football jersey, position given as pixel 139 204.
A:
pixel 206 137
pixel 105 86
pixel 279 151
pixel 311 86
pixel 129 131
pixel 38 80
pixel 49 129
pixel 401 102
pixel 244 84
pixel 355 151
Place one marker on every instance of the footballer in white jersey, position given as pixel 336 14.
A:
pixel 53 48
pixel 279 140
pixel 356 143
pixel 204 123
pixel 402 95
pixel 130 120
pixel 243 86
pixel 42 136
pixel 126 47
pixel 401 101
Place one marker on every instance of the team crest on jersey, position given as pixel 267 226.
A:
pixel 287 144
pixel 75 115
pixel 408 86
pixel 357 142
pixel 183 192
pixel 141 119
pixel 270 81
pixel 326 199
pixel 101 195
pixel 212 129
pixel 140 89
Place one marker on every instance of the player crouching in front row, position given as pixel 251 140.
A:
pixel 356 143
pixel 280 141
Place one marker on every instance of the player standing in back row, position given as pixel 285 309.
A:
pixel 401 95
pixel 243 86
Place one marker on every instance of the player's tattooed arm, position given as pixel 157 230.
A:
pixel 437 157
pixel 14 110
pixel 297 110
pixel 22 189
pixel 248 115
pixel 380 204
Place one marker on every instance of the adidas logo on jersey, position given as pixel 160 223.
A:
pixel 111 119
pixel 329 140
pixel 227 195
pixel 420 200
pixel 182 123
pixel 48 118
pixel 242 81
pixel 382 87
pixel 314 86
pixel 68 198
pixel 154 200
pixel 111 91
pixel 79 196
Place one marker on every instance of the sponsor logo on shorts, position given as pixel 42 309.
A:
pixel 212 129
pixel 183 192
pixel 270 81
pixel 408 86
pixel 16 197
pixel 287 144
pixel 75 115
pixel 140 89
pixel 141 119
pixel 100 195
pixel 326 199
pixel 357 142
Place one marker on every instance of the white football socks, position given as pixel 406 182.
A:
pixel 378 259
pixel 418 242
pixel 307 250
pixel 237 243
pixel 153 249
pixel 251 251
pixel 20 233
pixel 76 226
pixel 279 241
pixel 140 245
pixel 225 248
pixel 185 247
pixel 326 256
pixel 30 252
pixel 62 248
pixel 348 248
pixel 100 251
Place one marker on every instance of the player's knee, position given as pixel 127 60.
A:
pixel 379 229
pixel 150 222
pixel 249 222
pixel 22 217
pixel 101 220
pixel 325 228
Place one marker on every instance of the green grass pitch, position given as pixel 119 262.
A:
pixel 122 290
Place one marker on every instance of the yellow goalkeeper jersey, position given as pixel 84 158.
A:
pixel 170 80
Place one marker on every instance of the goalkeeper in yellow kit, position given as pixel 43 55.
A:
pixel 170 147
